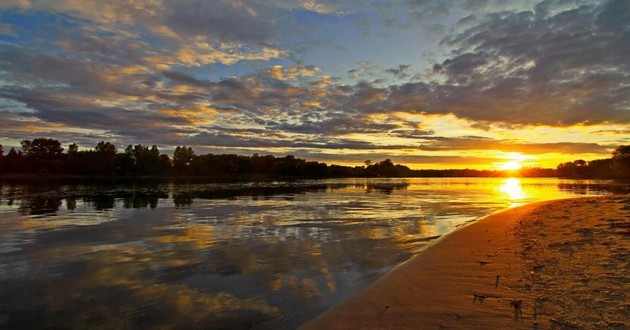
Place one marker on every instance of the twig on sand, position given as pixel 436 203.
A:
pixel 383 311
pixel 518 309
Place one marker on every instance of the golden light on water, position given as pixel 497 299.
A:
pixel 512 188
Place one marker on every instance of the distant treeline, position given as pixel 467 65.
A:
pixel 616 167
pixel 44 156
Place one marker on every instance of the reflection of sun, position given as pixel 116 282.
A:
pixel 512 187
pixel 511 165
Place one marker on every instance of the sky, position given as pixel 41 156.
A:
pixel 482 84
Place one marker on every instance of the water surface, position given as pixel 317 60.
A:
pixel 226 255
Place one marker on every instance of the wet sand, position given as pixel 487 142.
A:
pixel 561 264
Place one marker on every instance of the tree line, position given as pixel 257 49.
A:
pixel 45 156
pixel 616 167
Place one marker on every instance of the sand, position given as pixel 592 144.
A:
pixel 561 264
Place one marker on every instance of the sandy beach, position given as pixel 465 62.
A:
pixel 561 264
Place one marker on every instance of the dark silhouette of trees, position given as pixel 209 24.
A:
pixel 387 168
pixel 621 162
pixel 45 156
pixel 105 156
pixel 105 148
pixel 13 161
pixel 73 149
pixel 617 167
pixel 575 169
pixel 142 160
pixel 183 158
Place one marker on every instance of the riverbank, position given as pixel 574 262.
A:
pixel 560 264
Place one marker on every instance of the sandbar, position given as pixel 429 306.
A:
pixel 562 264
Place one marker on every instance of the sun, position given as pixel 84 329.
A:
pixel 511 165
pixel 512 161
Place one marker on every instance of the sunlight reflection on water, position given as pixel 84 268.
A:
pixel 189 255
pixel 512 187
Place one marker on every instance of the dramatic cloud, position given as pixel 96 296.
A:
pixel 421 80
pixel 541 67
pixel 467 143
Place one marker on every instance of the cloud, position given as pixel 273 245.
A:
pixel 320 7
pixel 364 68
pixel 149 71
pixel 227 20
pixel 359 158
pixel 613 132
pixel 400 71
pixel 294 72
pixel 252 139
pixel 565 67
pixel 559 67
pixel 8 30
pixel 437 143
pixel 181 77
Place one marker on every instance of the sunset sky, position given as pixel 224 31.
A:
pixel 426 83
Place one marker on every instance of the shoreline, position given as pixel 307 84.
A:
pixel 560 264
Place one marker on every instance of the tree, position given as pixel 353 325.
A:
pixel 579 162
pixel 41 147
pixel 104 156
pixel 164 165
pixel 141 159
pixel 43 155
pixel 621 152
pixel 105 148
pixel 182 159
pixel 621 161
pixel 2 170
pixel 13 161
pixel 73 149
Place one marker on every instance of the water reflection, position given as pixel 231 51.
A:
pixel 386 187
pixel 40 205
pixel 512 187
pixel 236 255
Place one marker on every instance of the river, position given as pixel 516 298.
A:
pixel 266 254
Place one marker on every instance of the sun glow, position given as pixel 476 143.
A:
pixel 511 165
pixel 513 161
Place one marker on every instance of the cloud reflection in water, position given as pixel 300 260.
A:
pixel 267 254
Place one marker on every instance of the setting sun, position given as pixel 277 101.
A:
pixel 511 165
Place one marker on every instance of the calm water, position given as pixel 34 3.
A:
pixel 236 255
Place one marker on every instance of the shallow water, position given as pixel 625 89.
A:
pixel 226 255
